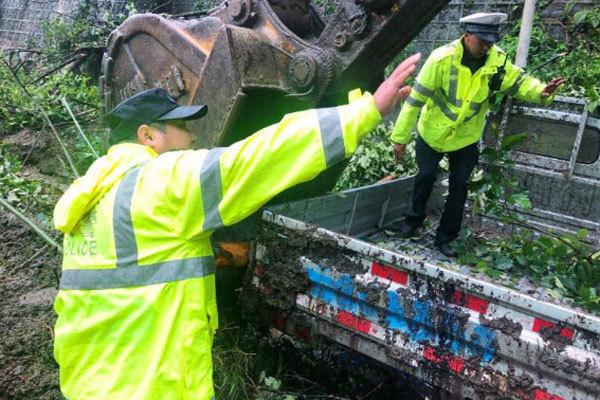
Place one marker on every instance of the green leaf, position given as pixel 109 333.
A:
pixel 521 199
pixel 511 141
pixel 582 233
pixel 494 273
pixel 503 263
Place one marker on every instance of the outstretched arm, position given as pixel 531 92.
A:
pixel 297 149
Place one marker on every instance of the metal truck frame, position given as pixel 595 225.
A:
pixel 475 338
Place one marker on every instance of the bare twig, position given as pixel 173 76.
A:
pixel 191 14
pixel 166 3
pixel 46 118
pixel 37 253
pixel 63 64
pixel 35 139
pixel 64 102
pixel 31 224
pixel 372 391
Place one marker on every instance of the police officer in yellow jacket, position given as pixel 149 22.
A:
pixel 136 304
pixel 452 94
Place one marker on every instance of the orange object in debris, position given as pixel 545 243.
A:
pixel 233 254
pixel 387 178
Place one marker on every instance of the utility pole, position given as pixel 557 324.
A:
pixel 525 33
pixel 521 57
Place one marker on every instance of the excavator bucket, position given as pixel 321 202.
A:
pixel 252 61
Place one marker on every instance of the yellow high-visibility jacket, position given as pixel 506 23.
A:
pixel 136 306
pixel 453 101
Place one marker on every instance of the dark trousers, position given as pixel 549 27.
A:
pixel 462 163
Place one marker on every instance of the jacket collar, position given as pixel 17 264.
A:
pixel 495 58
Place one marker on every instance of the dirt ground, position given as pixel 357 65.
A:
pixel 29 278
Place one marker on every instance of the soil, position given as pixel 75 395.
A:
pixel 29 273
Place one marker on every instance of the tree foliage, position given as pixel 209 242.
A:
pixel 579 38
pixel 374 160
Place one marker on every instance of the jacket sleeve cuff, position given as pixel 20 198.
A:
pixel 547 100
pixel 400 137
pixel 367 112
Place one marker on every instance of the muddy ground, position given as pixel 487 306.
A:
pixel 28 281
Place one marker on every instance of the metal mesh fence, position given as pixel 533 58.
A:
pixel 446 28
pixel 21 20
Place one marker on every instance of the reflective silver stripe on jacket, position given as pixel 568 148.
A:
pixel 134 275
pixel 128 273
pixel 476 107
pixel 414 102
pixel 452 87
pixel 332 135
pixel 515 86
pixel 211 187
pixel 437 100
pixel 125 244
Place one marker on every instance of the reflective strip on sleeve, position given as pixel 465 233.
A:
pixel 515 87
pixel 331 135
pixel 414 102
pixel 134 275
pixel 125 244
pixel 452 87
pixel 210 185
pixel 423 90
pixel 476 107
pixel 437 100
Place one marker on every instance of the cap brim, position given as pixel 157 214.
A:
pixel 184 112
pixel 488 37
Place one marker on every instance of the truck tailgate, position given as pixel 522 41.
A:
pixel 474 338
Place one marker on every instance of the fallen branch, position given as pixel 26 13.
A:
pixel 37 253
pixel 32 225
pixel 64 102
pixel 63 64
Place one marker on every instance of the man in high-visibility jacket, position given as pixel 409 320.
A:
pixel 136 304
pixel 452 94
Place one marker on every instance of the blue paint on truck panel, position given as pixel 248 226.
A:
pixel 340 292
pixel 394 317
pixel 423 322
pixel 411 316
pixel 483 339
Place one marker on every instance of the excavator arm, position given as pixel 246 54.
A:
pixel 252 61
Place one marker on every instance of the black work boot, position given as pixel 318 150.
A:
pixel 446 249
pixel 404 228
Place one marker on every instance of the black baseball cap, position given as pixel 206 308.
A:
pixel 152 105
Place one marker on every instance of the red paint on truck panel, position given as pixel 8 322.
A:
pixel 542 395
pixel 354 322
pixel 391 273
pixel 539 324
pixel 471 302
pixel 429 354
pixel 456 364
